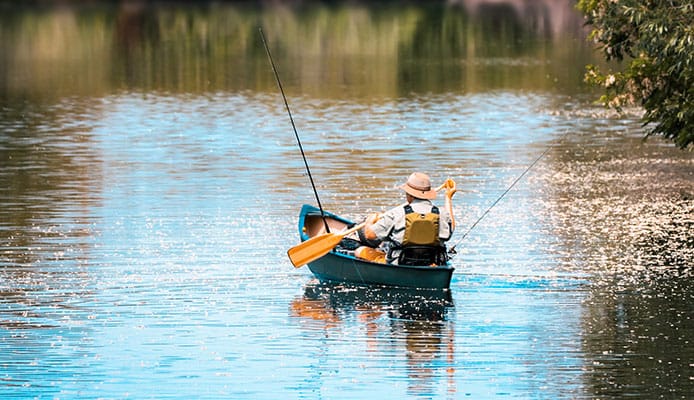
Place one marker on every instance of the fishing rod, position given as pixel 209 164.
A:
pixel 296 134
pixel 452 249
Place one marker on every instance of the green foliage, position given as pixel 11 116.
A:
pixel 655 40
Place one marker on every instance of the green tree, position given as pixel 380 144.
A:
pixel 655 39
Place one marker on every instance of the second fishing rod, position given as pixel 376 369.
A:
pixel 451 250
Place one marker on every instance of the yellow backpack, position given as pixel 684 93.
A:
pixel 421 229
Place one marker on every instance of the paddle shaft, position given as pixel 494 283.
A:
pixel 296 134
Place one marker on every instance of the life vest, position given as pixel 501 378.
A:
pixel 421 229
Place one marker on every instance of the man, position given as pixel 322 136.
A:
pixel 417 222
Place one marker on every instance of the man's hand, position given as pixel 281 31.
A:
pixel 368 233
pixel 450 187
pixel 371 219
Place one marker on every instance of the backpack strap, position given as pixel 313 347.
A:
pixel 409 210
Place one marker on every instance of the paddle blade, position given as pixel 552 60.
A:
pixel 313 248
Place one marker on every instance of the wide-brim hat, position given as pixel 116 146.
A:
pixel 418 185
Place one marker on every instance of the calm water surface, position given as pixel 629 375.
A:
pixel 151 183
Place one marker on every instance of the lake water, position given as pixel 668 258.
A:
pixel 151 183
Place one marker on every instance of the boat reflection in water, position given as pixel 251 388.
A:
pixel 410 327
pixel 398 303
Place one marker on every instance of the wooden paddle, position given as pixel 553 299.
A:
pixel 318 246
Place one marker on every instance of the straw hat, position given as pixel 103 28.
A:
pixel 418 185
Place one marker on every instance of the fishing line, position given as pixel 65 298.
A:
pixel 452 249
pixel 291 119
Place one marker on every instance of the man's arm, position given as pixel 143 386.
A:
pixel 368 231
pixel 450 191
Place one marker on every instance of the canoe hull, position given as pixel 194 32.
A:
pixel 338 266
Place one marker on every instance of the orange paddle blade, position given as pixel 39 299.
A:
pixel 317 247
pixel 313 248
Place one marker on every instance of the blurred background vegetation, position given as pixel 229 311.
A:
pixel 324 49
